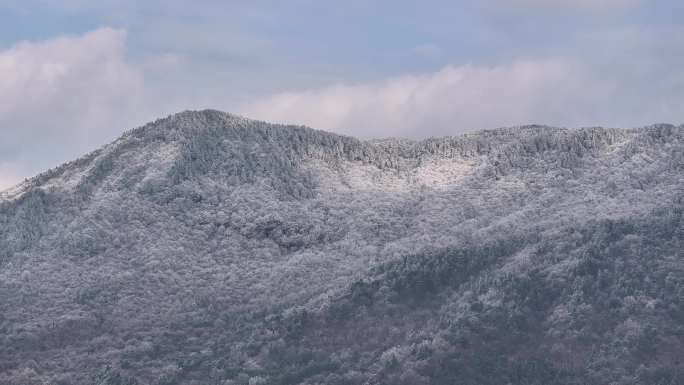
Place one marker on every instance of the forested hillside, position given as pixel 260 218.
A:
pixel 206 248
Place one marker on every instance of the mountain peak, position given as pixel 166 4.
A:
pixel 190 122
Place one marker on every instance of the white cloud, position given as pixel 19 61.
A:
pixel 85 80
pixel 63 96
pixel 452 100
pixel 559 91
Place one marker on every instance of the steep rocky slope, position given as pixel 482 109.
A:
pixel 206 248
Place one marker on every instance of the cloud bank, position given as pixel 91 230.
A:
pixel 63 95
pixel 455 99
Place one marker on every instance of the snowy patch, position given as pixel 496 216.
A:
pixel 435 173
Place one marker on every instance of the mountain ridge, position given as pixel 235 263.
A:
pixel 268 254
pixel 179 126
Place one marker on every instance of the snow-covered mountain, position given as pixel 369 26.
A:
pixel 206 248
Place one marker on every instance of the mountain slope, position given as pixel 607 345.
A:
pixel 209 248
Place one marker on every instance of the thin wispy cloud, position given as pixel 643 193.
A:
pixel 584 4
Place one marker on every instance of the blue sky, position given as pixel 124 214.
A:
pixel 74 74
